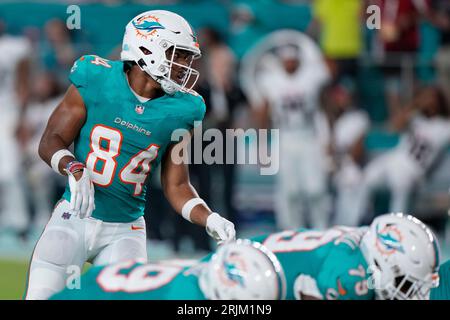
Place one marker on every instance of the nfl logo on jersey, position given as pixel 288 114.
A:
pixel 139 109
pixel 66 216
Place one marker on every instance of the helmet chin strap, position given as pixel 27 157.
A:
pixel 168 86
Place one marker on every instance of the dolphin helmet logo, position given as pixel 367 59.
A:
pixel 389 240
pixel 231 272
pixel 147 26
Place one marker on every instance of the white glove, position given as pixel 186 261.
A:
pixel 306 285
pixel 220 229
pixel 81 194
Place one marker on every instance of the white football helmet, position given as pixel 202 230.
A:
pixel 149 40
pixel 243 270
pixel 403 257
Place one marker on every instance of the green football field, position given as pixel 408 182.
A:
pixel 13 274
pixel 13 277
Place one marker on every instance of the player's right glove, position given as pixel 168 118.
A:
pixel 81 192
pixel 220 229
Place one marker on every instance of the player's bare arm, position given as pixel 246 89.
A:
pixel 261 115
pixel 178 189
pixel 62 128
pixel 181 194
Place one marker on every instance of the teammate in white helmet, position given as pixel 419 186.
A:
pixel 241 270
pixel 396 257
pixel 403 257
pixel 120 115
pixel 256 271
pixel 349 129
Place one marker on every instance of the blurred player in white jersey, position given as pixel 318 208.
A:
pixel 13 97
pixel 289 89
pixel 426 135
pixel 349 128
pixel 46 96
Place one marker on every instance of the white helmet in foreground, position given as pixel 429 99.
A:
pixel 403 257
pixel 243 270
pixel 152 39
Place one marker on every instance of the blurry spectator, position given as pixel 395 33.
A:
pixel 440 17
pixel 245 28
pixel 398 44
pixel 222 96
pixel 219 66
pixel 157 208
pixel 338 24
pixel 58 52
pixel 426 126
pixel 217 86
pixel 200 178
pixel 349 128
pixel 285 94
pixel 40 177
pixel 14 93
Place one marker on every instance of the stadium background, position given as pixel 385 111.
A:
pixel 251 198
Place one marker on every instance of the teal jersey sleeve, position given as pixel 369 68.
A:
pixel 195 118
pixel 135 281
pixel 79 72
pixel 442 292
pixel 88 74
pixel 200 114
pixel 343 275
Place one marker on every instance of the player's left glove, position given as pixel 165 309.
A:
pixel 220 229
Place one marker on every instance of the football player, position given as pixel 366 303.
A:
pixel 120 115
pixel 426 127
pixel 396 257
pixel 284 94
pixel 350 126
pixel 241 270
pixel 14 93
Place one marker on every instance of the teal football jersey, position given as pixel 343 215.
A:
pixel 136 281
pixel 332 258
pixel 123 139
pixel 442 292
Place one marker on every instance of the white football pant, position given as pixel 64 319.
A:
pixel 395 171
pixel 68 242
pixel 301 186
pixel 349 196
pixel 13 208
